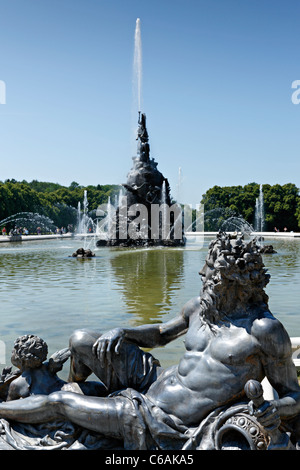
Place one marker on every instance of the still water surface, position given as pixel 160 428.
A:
pixel 44 291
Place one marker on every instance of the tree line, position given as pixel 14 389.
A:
pixel 281 205
pixel 56 202
pixel 59 203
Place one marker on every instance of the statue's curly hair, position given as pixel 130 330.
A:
pixel 29 350
pixel 237 277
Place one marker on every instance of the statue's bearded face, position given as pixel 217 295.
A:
pixel 232 276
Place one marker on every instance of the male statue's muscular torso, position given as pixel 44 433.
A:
pixel 214 369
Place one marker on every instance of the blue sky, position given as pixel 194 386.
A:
pixel 216 89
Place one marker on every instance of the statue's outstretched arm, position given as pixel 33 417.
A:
pixel 146 336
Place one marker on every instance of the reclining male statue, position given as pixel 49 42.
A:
pixel 231 338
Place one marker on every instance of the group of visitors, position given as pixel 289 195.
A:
pixel 60 231
pixel 25 231
pixel 38 231
pixel 278 230
pixel 15 231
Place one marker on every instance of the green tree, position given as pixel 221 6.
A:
pixel 282 205
pixel 53 200
pixel 74 185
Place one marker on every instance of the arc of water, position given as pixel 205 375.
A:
pixel 29 217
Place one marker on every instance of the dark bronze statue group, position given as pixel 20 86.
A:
pixel 145 187
pixel 213 399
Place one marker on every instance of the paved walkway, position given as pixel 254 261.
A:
pixel 24 238
pixel 27 238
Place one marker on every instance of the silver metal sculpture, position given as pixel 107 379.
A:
pixel 211 400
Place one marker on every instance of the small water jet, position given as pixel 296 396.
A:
pixel 260 211
pixel 84 222
pixel 85 229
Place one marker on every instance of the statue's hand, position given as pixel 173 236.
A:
pixel 108 343
pixel 267 415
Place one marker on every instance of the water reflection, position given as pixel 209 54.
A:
pixel 46 292
pixel 147 280
pixel 284 287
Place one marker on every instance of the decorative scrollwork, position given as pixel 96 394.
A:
pixel 242 431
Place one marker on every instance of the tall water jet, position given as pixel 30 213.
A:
pixel 137 65
pixel 85 225
pixel 83 220
pixel 85 204
pixel 260 211
pixel 179 185
pixel 109 217
pixel 78 217
pixel 164 203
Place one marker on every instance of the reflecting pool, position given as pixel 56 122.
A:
pixel 44 291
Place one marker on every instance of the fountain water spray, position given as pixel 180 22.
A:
pixel 260 211
pixel 30 220
pixel 85 226
pixel 83 221
pixel 165 225
pixel 179 185
pixel 137 64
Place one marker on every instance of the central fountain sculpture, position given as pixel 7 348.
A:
pixel 145 215
pixel 212 400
